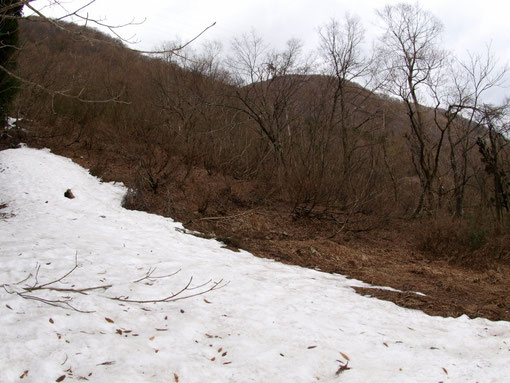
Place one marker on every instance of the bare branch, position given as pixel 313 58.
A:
pixel 111 28
pixel 176 296
pixel 7 8
pixel 149 275
pixel 78 291
pixel 57 303
pixel 65 302
pixel 62 303
pixel 63 93
pixel 227 217
pixel 176 49
pixel 37 287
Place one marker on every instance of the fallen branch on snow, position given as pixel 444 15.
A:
pixel 29 291
pixel 176 296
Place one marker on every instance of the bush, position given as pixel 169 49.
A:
pixel 475 238
pixel 468 242
pixel 451 238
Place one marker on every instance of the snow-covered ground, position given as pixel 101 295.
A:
pixel 264 321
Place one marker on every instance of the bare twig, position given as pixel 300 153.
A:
pixel 341 229
pixel 200 286
pixel 176 296
pixel 57 303
pixel 62 303
pixel 78 291
pixel 149 275
pixel 112 29
pixel 176 49
pixel 38 287
pixel 18 283
pixel 227 217
pixel 63 93
pixel 20 3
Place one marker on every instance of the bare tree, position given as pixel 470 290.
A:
pixel 493 151
pixel 267 82
pixel 345 64
pixel 412 62
pixel 471 80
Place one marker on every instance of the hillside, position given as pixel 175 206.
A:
pixel 284 180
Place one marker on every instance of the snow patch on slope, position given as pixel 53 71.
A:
pixel 271 323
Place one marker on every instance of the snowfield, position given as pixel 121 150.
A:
pixel 70 269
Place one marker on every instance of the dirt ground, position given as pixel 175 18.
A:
pixel 380 257
pixel 385 255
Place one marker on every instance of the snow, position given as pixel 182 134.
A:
pixel 11 123
pixel 267 322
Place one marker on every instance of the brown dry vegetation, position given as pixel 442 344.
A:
pixel 276 166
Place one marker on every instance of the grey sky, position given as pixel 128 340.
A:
pixel 469 25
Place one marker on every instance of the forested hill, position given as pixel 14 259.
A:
pixel 277 158
pixel 319 142
pixel 197 112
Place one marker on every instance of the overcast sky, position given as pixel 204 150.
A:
pixel 469 24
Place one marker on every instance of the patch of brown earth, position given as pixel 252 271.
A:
pixel 380 257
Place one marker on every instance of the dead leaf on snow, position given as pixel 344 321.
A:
pixel 176 378
pixel 109 320
pixel 106 363
pixel 60 378
pixel 25 373
pixel 344 356
pixel 445 371
pixel 342 368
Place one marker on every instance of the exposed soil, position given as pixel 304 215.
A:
pixel 382 252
